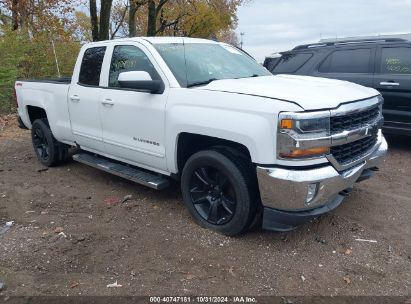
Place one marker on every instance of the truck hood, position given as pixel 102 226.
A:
pixel 310 93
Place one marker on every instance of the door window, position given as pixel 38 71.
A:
pixel 91 66
pixel 129 58
pixel 290 63
pixel 396 60
pixel 347 61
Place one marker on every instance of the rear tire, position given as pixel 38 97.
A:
pixel 49 151
pixel 219 191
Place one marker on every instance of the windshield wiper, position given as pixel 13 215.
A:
pixel 251 76
pixel 198 83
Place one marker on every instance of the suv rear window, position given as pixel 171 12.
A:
pixel 291 62
pixel 347 61
pixel 91 66
pixel 396 60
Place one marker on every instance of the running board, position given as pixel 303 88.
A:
pixel 143 177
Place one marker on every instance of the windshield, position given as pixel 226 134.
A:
pixel 200 63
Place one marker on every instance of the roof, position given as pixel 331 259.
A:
pixel 348 42
pixel 355 38
pixel 162 39
pixel 166 39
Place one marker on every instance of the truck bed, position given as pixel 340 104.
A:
pixel 60 80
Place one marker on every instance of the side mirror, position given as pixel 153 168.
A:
pixel 140 80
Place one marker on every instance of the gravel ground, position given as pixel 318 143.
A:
pixel 68 238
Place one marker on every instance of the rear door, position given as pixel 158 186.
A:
pixel 83 100
pixel 393 80
pixel 355 64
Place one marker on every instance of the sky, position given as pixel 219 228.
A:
pixel 278 25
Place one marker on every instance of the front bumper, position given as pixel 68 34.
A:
pixel 284 191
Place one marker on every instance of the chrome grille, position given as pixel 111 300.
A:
pixel 351 152
pixel 353 121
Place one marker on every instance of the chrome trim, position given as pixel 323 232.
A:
pixel 390 84
pixel 356 107
pixel 341 167
pixel 286 189
pixel 303 115
pixel 288 140
pixel 345 137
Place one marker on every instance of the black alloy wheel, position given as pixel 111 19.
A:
pixel 41 145
pixel 219 190
pixel 50 152
pixel 212 195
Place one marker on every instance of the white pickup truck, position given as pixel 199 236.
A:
pixel 248 147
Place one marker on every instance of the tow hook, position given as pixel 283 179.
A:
pixel 346 192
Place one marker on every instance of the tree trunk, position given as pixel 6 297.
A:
pixel 105 12
pixel 152 19
pixel 94 20
pixel 14 15
pixel 132 19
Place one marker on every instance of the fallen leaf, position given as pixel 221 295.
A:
pixel 112 201
pixel 114 285
pixel 58 229
pixel 348 251
pixel 75 284
pixel 126 198
pixel 347 280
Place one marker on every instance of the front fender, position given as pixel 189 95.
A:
pixel 248 120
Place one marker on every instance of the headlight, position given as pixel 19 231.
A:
pixel 302 126
pixel 300 135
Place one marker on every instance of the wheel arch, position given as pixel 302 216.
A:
pixel 189 143
pixel 34 112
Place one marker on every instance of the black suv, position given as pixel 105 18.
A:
pixel 383 64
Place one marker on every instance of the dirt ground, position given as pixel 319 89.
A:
pixel 150 246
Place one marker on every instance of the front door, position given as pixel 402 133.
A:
pixel 133 121
pixel 393 80
pixel 83 101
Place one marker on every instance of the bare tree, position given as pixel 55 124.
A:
pixel 134 6
pixel 100 30
pixel 153 13
pixel 14 15
pixel 105 12
pixel 94 20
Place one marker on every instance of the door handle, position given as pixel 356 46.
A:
pixel 75 98
pixel 107 103
pixel 388 83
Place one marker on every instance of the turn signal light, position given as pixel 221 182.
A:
pixel 286 124
pixel 306 153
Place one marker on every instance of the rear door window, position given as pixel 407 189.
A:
pixel 347 61
pixel 291 62
pixel 91 66
pixel 396 60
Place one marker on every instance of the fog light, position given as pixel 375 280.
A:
pixel 311 193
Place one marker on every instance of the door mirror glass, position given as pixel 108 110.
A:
pixel 140 80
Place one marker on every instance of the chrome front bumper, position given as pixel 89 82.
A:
pixel 286 189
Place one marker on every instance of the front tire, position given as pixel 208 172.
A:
pixel 219 191
pixel 49 151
